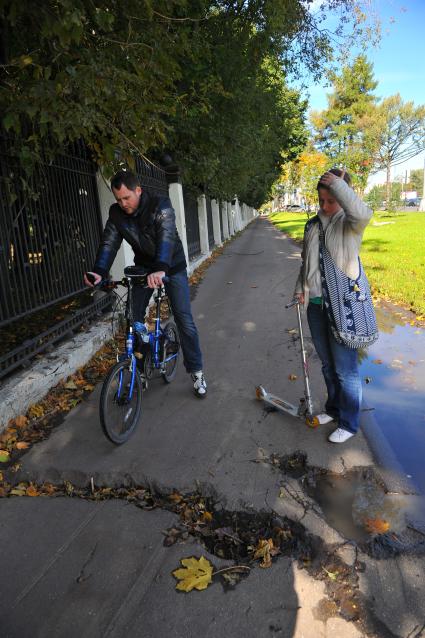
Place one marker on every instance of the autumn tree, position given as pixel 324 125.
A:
pixel 342 131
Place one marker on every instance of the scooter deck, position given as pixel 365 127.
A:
pixel 312 420
pixel 276 402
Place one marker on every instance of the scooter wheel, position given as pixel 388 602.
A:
pixel 312 421
pixel 259 393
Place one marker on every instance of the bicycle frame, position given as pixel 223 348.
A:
pixel 154 336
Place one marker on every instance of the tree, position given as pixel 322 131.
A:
pixel 417 181
pixel 400 134
pixel 342 131
pixel 137 76
pixel 307 169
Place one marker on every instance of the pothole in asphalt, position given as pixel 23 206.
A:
pixel 357 506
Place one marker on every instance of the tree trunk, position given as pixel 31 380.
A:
pixel 388 186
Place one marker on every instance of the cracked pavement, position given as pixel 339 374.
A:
pixel 78 568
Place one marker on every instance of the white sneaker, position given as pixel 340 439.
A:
pixel 324 418
pixel 199 384
pixel 340 436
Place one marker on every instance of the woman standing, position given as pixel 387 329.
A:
pixel 332 286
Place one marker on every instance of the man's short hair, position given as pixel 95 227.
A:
pixel 129 179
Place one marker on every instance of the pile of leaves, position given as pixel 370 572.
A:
pixel 41 417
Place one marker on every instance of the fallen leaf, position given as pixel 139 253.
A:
pixel 292 377
pixel 282 492
pixel 332 575
pixel 32 491
pixel 4 456
pixel 70 385
pixel 195 574
pixel 376 525
pixel 22 445
pixel 172 535
pixel 265 550
pixel 36 411
pixel 89 387
pixel 20 490
pixel 207 517
pixel 21 421
pixel 175 497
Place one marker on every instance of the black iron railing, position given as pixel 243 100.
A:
pixel 50 233
pixel 152 177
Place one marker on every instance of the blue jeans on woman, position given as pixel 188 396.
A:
pixel 177 289
pixel 340 370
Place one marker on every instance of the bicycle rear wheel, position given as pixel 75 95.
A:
pixel 171 346
pixel 120 405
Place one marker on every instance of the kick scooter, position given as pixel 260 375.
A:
pixel 305 408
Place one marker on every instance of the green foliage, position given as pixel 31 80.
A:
pixel 342 131
pixel 204 79
pixel 417 181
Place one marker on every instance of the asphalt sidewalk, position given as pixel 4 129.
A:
pixel 78 568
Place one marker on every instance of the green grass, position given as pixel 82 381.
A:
pixel 393 254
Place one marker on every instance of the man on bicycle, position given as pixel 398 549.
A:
pixel 147 222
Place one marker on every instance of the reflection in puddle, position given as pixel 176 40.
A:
pixel 393 372
pixel 356 505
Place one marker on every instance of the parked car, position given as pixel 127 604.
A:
pixel 294 208
pixel 414 202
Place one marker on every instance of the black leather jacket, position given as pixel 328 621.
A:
pixel 150 231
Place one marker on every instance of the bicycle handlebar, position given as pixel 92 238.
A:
pixel 109 284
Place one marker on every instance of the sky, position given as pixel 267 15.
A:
pixel 398 64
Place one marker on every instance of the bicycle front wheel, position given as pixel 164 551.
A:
pixel 120 402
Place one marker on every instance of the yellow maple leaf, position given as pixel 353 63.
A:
pixel 195 574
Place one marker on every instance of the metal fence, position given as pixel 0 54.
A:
pixel 192 224
pixel 49 238
pixel 151 177
pixel 210 223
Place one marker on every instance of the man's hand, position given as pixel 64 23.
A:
pixel 96 279
pixel 155 279
pixel 300 297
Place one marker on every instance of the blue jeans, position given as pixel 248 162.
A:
pixel 177 289
pixel 340 370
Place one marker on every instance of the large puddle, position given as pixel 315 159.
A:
pixel 393 374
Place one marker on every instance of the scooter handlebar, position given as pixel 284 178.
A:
pixel 294 302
